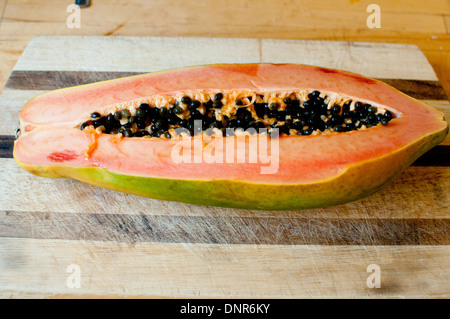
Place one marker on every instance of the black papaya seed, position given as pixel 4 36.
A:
pixel 178 110
pixel 162 112
pixel 388 115
pixel 127 133
pixel 125 113
pixel 118 115
pixel 186 100
pixel 194 104
pixel 313 115
pixel 217 104
pixel 274 106
pixel 140 113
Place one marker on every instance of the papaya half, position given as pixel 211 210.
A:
pixel 255 136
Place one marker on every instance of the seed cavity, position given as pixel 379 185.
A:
pixel 275 114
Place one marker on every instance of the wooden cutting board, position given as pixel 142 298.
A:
pixel 128 246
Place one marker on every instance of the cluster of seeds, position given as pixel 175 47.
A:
pixel 288 116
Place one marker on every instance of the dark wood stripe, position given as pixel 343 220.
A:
pixel 421 90
pixel 438 156
pixel 6 146
pixel 51 80
pixel 224 230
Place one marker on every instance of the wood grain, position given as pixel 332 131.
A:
pixel 127 245
pixel 224 230
pixel 10 52
pixel 105 54
pixel 2 9
pixel 149 53
pixel 38 268
pixel 447 23
pixel 423 23
pixel 6 146
pixel 266 14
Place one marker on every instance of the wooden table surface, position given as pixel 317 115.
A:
pixel 423 23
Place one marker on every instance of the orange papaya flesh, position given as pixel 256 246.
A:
pixel 310 171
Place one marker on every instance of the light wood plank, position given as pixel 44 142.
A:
pixel 418 193
pixel 107 54
pixel 388 61
pixel 143 54
pixel 38 268
pixel 430 45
